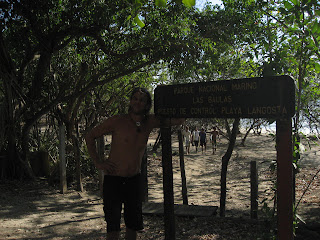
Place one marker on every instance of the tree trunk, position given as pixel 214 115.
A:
pixel 182 170
pixel 248 131
pixel 25 154
pixel 77 157
pixel 224 166
pixel 9 165
pixel 227 128
pixel 223 186
pixel 157 143
pixel 14 165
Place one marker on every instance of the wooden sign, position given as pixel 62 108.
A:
pixel 265 97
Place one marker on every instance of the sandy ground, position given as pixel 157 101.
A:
pixel 39 211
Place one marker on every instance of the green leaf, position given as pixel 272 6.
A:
pixel 287 5
pixel 189 3
pixel 138 3
pixel 138 21
pixel 315 28
pixel 161 3
pixel 282 10
pixel 317 66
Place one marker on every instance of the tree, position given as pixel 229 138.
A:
pixel 56 52
pixel 224 166
pixel 289 44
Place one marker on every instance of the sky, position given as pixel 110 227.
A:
pixel 201 3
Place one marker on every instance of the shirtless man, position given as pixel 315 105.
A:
pixel 130 134
pixel 187 137
pixel 213 138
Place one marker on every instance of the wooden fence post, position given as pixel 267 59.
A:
pixel 62 156
pixel 254 189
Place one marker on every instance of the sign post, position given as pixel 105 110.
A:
pixel 265 97
pixel 284 180
pixel 169 219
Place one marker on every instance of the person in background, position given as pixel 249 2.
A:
pixel 195 138
pixel 213 138
pixel 187 138
pixel 203 140
pixel 130 134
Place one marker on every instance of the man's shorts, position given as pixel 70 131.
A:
pixel 196 143
pixel 126 190
pixel 203 143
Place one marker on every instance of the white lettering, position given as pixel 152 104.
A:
pixel 244 86
pixel 183 90
pixel 212 88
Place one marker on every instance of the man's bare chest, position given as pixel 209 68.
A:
pixel 130 135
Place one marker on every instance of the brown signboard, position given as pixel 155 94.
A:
pixel 265 97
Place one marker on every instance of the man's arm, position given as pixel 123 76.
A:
pixel 92 135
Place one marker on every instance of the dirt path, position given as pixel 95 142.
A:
pixel 38 211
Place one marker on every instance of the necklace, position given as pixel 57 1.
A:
pixel 137 123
